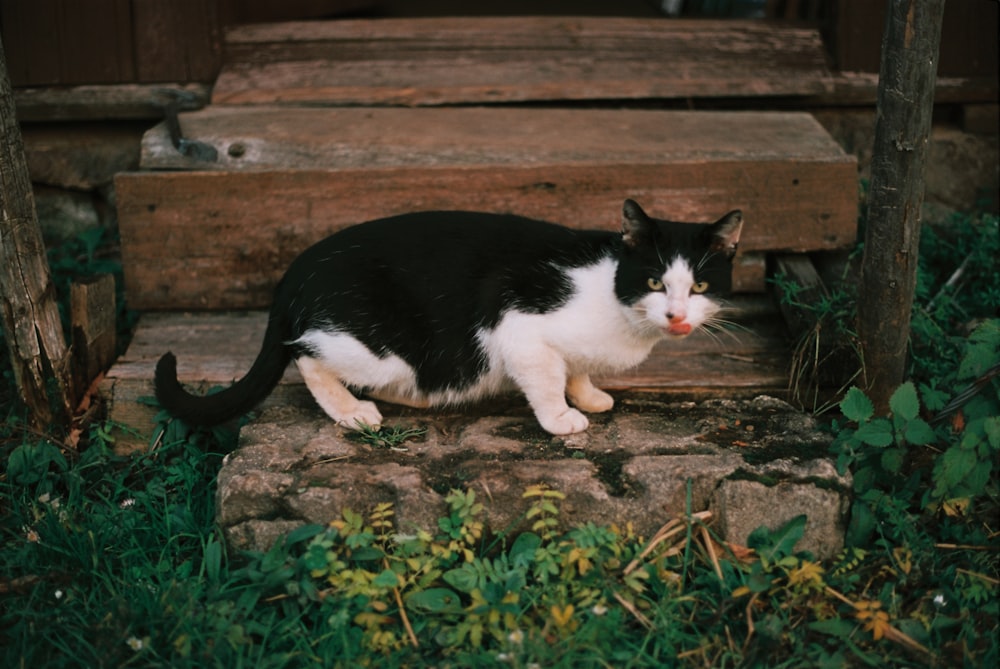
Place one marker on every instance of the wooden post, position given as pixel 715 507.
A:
pixel 92 316
pixel 32 329
pixel 902 133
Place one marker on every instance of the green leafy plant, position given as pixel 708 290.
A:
pixel 879 446
pixel 958 284
pixel 965 469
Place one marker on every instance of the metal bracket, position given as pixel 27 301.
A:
pixel 178 100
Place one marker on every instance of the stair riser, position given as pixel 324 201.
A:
pixel 216 240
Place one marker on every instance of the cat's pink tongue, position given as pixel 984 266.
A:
pixel 679 328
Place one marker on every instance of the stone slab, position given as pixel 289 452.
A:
pixel 751 462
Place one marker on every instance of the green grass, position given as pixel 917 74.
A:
pixel 110 561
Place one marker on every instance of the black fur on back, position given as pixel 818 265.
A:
pixel 420 285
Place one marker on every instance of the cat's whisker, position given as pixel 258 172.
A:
pixel 705 258
pixel 729 324
pixel 716 327
pixel 711 334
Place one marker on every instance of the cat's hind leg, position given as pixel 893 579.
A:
pixel 587 397
pixel 334 398
pixel 391 397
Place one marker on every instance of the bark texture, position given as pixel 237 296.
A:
pixel 902 133
pixel 32 327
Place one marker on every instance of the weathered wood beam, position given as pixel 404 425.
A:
pixel 286 178
pixel 94 327
pixel 487 60
pixel 39 355
pixel 99 102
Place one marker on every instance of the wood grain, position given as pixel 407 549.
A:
pixel 438 61
pixel 94 328
pixel 176 41
pixel 264 137
pixel 221 239
pixel 115 102
pixel 40 360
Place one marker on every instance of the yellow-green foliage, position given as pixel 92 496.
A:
pixel 417 588
pixel 450 593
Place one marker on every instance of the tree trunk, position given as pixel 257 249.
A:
pixel 32 328
pixel 902 133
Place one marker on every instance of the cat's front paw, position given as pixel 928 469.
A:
pixel 569 421
pixel 364 414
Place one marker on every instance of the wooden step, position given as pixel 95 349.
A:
pixel 217 348
pixel 219 237
pixel 480 60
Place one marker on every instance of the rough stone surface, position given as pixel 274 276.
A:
pixel 754 462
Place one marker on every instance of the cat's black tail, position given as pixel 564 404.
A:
pixel 238 398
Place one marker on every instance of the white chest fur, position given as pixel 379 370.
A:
pixel 593 332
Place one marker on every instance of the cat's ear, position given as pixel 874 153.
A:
pixel 637 228
pixel 725 233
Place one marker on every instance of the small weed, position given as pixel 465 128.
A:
pixel 827 352
pixel 391 437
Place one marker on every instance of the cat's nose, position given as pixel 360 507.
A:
pixel 674 317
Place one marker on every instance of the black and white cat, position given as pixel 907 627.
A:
pixel 438 308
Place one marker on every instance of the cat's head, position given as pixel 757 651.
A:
pixel 672 275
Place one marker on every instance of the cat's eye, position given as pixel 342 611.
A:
pixel 654 284
pixel 699 287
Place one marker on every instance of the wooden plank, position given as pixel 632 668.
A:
pixel 209 240
pixel 750 272
pixel 95 41
pixel 217 348
pixel 266 137
pixel 861 89
pixel 439 61
pixel 40 359
pixel 51 42
pixel 29 61
pixel 94 327
pixel 204 240
pixel 176 41
pixel 120 102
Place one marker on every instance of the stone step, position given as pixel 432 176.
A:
pixel 750 463
pixel 219 235
pixel 488 60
